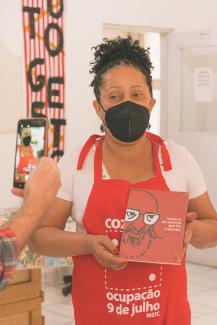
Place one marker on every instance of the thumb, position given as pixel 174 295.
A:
pixel 191 216
pixel 109 245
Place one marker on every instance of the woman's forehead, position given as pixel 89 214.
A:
pixel 122 75
pixel 26 131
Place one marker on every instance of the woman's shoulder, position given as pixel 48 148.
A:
pixel 72 153
pixel 176 150
pixel 186 174
pixel 180 155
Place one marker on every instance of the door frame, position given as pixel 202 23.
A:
pixel 164 32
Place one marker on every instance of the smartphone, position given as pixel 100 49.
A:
pixel 31 145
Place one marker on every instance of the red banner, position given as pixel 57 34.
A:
pixel 44 65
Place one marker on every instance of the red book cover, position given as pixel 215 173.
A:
pixel 154 226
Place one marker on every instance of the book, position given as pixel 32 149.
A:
pixel 154 226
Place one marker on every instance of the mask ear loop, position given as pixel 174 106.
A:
pixel 102 128
pixel 103 124
pixel 149 125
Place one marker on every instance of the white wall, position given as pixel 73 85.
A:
pixel 83 27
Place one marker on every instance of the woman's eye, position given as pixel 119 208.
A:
pixel 138 95
pixel 113 97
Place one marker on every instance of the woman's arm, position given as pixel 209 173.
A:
pixel 46 238
pixel 202 232
pixel 50 239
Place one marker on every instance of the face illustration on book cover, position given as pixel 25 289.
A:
pixel 140 223
pixel 154 226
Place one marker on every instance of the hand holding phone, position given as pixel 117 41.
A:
pixel 31 145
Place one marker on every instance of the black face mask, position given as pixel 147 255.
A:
pixel 127 121
pixel 27 140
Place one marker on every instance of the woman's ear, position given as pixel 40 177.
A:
pixel 97 107
pixel 152 103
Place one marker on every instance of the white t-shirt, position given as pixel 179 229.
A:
pixel 185 176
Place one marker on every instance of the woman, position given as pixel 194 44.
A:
pixel 96 181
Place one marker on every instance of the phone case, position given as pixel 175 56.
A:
pixel 31 145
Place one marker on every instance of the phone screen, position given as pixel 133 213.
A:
pixel 30 146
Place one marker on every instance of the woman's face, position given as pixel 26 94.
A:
pixel 123 83
pixel 26 132
pixel 26 136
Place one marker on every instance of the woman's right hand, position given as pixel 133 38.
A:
pixel 104 251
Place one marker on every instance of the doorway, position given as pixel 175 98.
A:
pixel 153 39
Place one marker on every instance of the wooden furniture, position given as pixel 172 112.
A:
pixel 20 302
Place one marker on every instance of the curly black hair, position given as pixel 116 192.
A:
pixel 119 51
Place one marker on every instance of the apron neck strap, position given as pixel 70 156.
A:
pixel 86 148
pixel 166 157
pixel 156 140
pixel 98 161
pixel 156 162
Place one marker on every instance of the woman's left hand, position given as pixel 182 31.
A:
pixel 191 216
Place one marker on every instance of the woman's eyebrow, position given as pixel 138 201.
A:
pixel 119 87
pixel 135 86
pixel 111 87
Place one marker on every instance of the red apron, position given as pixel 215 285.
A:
pixel 25 161
pixel 142 293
